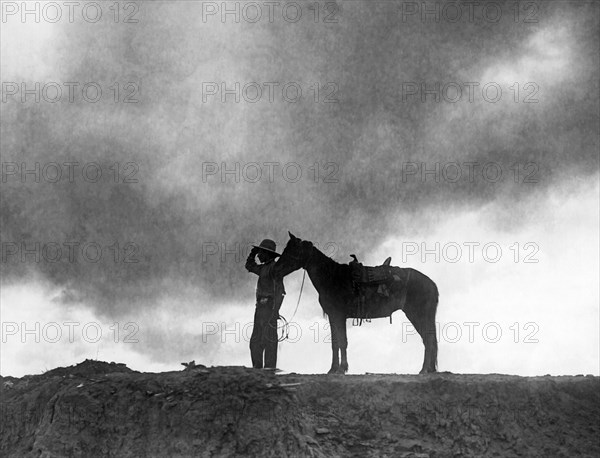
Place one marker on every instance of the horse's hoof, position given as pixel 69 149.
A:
pixel 425 372
pixel 341 371
pixel 333 370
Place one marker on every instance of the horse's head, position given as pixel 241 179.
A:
pixel 297 252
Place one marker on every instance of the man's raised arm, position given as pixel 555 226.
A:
pixel 251 264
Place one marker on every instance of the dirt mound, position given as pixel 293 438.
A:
pixel 101 409
pixel 89 368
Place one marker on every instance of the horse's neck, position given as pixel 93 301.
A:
pixel 321 270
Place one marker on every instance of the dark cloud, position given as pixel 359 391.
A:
pixel 175 216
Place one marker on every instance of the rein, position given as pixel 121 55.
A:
pixel 285 331
pixel 299 295
pixel 285 328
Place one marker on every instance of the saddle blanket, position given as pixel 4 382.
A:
pixel 380 291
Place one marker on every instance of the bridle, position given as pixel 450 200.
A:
pixel 301 262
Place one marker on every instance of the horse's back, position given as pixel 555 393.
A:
pixel 420 283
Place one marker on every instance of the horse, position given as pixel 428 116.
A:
pixel 333 282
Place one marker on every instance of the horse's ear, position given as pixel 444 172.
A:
pixel 292 236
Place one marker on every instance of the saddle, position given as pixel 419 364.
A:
pixel 372 275
pixel 372 286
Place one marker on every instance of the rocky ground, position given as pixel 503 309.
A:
pixel 107 410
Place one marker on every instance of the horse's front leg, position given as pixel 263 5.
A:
pixel 335 361
pixel 343 344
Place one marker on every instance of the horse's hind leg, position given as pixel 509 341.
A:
pixel 423 319
pixel 430 339
pixel 430 342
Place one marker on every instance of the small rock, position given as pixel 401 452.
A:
pixel 322 431
pixel 310 440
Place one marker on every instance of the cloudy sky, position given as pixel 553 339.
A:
pixel 169 136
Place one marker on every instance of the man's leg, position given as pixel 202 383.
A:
pixel 271 340
pixel 256 340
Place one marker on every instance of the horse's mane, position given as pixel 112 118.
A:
pixel 335 268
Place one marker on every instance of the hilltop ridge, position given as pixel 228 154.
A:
pixel 106 409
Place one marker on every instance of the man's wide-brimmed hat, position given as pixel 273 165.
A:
pixel 268 245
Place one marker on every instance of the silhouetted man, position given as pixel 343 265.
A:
pixel 269 296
